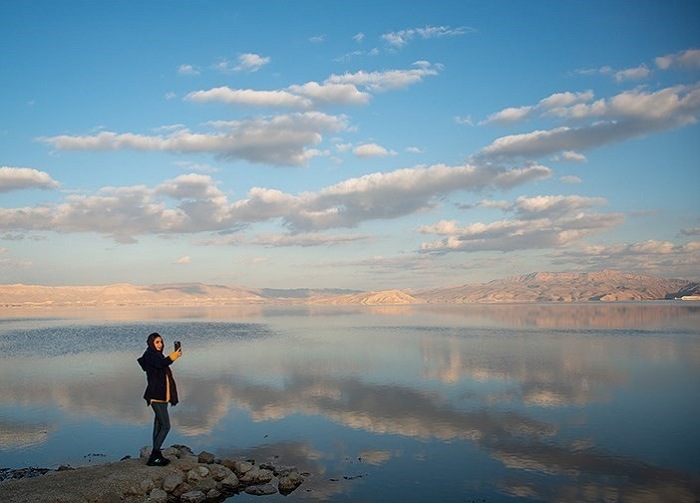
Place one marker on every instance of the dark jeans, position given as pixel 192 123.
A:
pixel 161 424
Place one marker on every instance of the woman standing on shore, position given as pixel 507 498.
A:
pixel 160 391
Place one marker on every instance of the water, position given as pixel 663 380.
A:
pixel 594 402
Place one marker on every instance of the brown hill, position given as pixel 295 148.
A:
pixel 535 287
pixel 124 295
pixel 383 297
pixel 562 287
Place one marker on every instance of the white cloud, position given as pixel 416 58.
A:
pixel 627 115
pixel 308 239
pixel 12 178
pixel 317 39
pixel 359 37
pixel 331 94
pixel 570 179
pixel 193 203
pixel 647 257
pixel 465 121
pixel 335 90
pixel 186 260
pixel 570 156
pixel 386 80
pixel 249 62
pixel 640 72
pixel 684 59
pixel 692 231
pixel 542 222
pixel 371 150
pixel 401 38
pixel 250 97
pixel 553 105
pixel 188 70
pixel 281 140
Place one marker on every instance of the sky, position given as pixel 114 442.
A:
pixel 361 145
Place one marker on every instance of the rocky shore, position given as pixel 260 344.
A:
pixel 189 478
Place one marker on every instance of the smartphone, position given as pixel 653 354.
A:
pixel 178 345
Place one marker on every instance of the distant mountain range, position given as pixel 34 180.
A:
pixel 606 286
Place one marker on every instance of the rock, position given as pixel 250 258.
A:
pixel 214 494
pixel 205 485
pixel 158 496
pixel 206 458
pixel 172 452
pixel 147 485
pixel 230 483
pixel 239 467
pixel 187 463
pixel 197 474
pixel 219 472
pixel 171 481
pixel 261 490
pixel 256 476
pixel 193 497
pixel 181 489
pixel 288 483
pixel 184 450
pixel 145 452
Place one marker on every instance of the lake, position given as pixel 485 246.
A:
pixel 532 402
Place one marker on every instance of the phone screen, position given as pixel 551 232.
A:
pixel 177 345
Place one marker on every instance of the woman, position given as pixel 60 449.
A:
pixel 160 391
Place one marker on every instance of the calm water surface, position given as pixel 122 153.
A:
pixel 589 403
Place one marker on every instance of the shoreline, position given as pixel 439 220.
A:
pixel 189 478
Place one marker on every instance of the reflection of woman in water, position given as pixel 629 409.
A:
pixel 160 391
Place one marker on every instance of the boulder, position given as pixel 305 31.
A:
pixel 288 483
pixel 196 474
pixel 256 476
pixel 193 497
pixel 230 483
pixel 206 458
pixel 158 496
pixel 219 472
pixel 261 490
pixel 214 495
pixel 171 481
pixel 147 485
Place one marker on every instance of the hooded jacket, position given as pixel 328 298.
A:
pixel 161 385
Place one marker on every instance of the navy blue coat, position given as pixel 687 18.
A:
pixel 158 375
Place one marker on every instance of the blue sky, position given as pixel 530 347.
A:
pixel 363 145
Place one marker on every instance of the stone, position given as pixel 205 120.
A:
pixel 181 489
pixel 184 450
pixel 239 467
pixel 171 481
pixel 256 476
pixel 261 490
pixel 214 494
pixel 193 497
pixel 205 485
pixel 147 485
pixel 197 474
pixel 172 452
pixel 230 483
pixel 158 496
pixel 219 472
pixel 288 483
pixel 145 452
pixel 187 463
pixel 206 458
